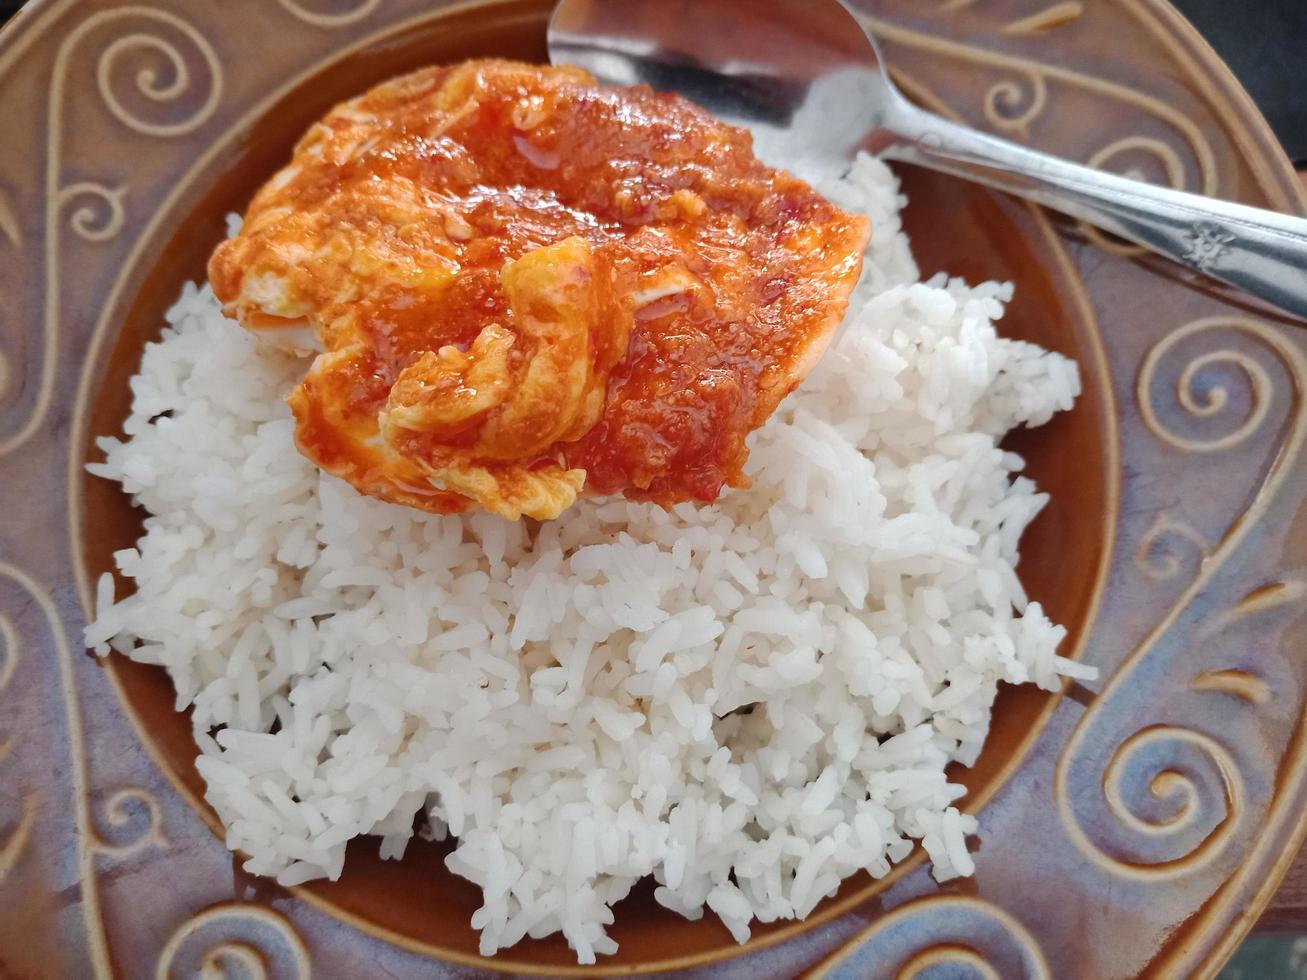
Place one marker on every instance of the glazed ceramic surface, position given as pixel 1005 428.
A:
pixel 1132 825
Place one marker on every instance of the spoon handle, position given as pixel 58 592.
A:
pixel 1260 252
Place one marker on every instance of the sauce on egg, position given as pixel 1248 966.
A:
pixel 522 286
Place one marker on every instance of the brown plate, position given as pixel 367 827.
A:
pixel 1134 825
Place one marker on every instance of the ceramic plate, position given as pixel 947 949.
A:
pixel 1133 825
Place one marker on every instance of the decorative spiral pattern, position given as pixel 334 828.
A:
pixel 1180 825
pixel 954 958
pixel 214 962
pixel 1179 787
pixel 319 19
pixel 120 814
pixel 1006 108
pixel 99 219
pixel 952 931
pixel 159 86
pixel 1211 402
pixel 239 932
pixel 172 85
pixel 1167 159
pixel 1012 107
pixel 1165 155
pixel 1172 797
pixel 1159 555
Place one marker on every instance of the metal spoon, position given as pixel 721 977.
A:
pixel 807 80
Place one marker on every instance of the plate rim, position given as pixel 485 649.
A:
pixel 1257 146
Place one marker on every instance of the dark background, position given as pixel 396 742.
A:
pixel 1263 41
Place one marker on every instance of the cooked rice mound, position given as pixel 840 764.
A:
pixel 750 701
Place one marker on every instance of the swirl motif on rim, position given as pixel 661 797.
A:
pixel 1012 107
pixel 1171 783
pixel 1195 846
pixel 239 932
pixel 944 957
pixel 150 82
pixel 1003 101
pixel 938 931
pixel 1158 556
pixel 1158 787
pixel 100 219
pixel 119 815
pixel 1041 73
pixel 319 19
pixel 1169 161
pixel 104 222
pixel 1211 401
pixel 42 606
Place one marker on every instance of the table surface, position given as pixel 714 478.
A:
pixel 1288 910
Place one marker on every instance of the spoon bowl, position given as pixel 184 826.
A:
pixel 808 81
pixel 803 77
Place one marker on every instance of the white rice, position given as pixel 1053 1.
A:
pixel 750 702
